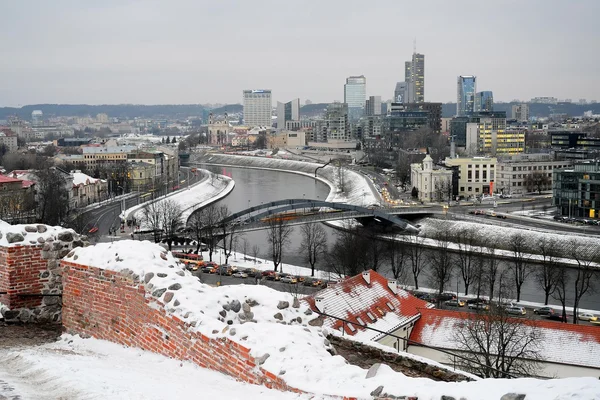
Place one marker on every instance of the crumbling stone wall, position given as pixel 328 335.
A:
pixel 30 269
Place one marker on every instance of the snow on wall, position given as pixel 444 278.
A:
pixel 287 348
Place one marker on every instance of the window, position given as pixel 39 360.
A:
pixel 476 190
pixel 371 316
pixel 470 189
pixel 360 321
pixel 462 188
pixel 390 306
pixel 352 328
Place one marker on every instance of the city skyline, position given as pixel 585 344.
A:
pixel 188 52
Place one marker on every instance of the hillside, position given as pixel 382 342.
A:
pixel 535 110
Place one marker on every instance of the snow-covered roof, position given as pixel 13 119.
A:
pixel 79 178
pixel 561 343
pixel 372 304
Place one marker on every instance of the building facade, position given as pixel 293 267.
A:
pixel 433 183
pixel 258 107
pixel 373 106
pixel 400 93
pixel 337 126
pixel 476 175
pixel 486 134
pixel 218 130
pixel 520 112
pixel 576 190
pixel 414 76
pixel 8 139
pixel 435 114
pixel 355 93
pixel 466 87
pixel 289 111
pixel 515 172
pixel 484 101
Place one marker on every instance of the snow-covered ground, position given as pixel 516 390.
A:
pixel 210 189
pixel 297 351
pixel 85 369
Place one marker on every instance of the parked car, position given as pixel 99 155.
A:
pixel 240 274
pixel 209 269
pixel 308 282
pixel 446 296
pixel 543 311
pixel 477 300
pixel 479 306
pixel 586 317
pixel 289 279
pixel 272 277
pixel 455 303
pixel 516 310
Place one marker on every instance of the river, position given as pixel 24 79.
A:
pixel 254 186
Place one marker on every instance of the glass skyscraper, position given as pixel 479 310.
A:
pixel 355 95
pixel 465 95
pixel 414 76
pixel 484 101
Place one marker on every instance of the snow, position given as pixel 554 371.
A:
pixel 75 368
pixel 79 178
pixel 30 238
pixel 296 348
pixel 208 190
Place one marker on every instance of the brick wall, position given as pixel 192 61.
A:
pixel 22 271
pixel 114 307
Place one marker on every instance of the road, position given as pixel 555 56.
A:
pixel 106 217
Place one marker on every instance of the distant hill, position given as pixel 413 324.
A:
pixel 112 110
pixel 535 109
pixel 229 109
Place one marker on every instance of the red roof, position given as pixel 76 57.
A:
pixel 566 343
pixel 7 132
pixel 8 179
pixel 372 304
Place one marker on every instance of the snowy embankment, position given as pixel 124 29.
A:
pixel 282 337
pixel 210 189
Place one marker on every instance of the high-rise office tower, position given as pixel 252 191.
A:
pixel 414 76
pixel 289 111
pixel 257 107
pixel 484 101
pixel 465 94
pixel 400 93
pixel 355 93
pixel 373 106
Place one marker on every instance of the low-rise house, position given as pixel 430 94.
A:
pixel 566 350
pixel 88 190
pixel 371 300
pixel 17 199
pixel 8 139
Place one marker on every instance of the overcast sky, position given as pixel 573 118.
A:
pixel 196 51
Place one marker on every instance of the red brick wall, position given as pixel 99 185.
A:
pixel 110 306
pixel 20 272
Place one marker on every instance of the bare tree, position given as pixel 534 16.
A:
pixel 403 171
pixel 52 195
pixel 561 289
pixel 195 224
pixel 495 345
pixel 170 220
pixel 255 251
pixel 537 181
pixel 211 217
pixel 441 260
pixel 80 222
pixel 417 257
pixel 398 254
pixel 228 232
pixel 348 257
pixel 491 267
pixel 547 274
pixel 586 272
pixel 374 245
pixel 314 243
pixel 278 236
pixel 468 257
pixel 518 246
pixel 152 218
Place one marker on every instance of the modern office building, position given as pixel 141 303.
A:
pixel 576 190
pixel 520 112
pixel 435 114
pixel 414 76
pixel 373 106
pixel 484 101
pixel 573 140
pixel 465 95
pixel 289 111
pixel 336 122
pixel 476 175
pixel 486 134
pixel 355 93
pixel 400 93
pixel 513 171
pixel 258 108
pixel 37 117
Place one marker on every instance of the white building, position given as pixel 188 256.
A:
pixel 88 190
pixel 476 175
pixel 258 108
pixel 513 171
pixel 520 112
pixel 433 183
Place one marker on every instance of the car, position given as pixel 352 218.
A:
pixel 455 303
pixel 477 300
pixel 556 317
pixel 240 274
pixel 446 296
pixel 224 270
pixel 317 283
pixel 289 279
pixel 544 311
pixel 268 272
pixel 272 277
pixel 307 282
pixel 209 269
pixel 479 306
pixel 516 310
pixel 587 317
